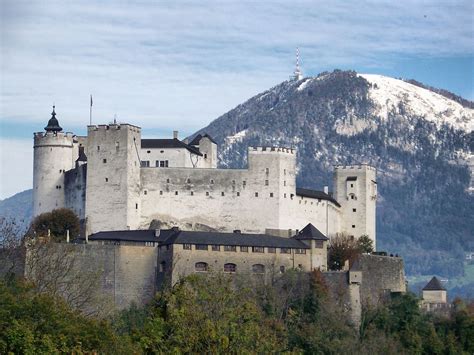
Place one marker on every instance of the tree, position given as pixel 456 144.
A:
pixel 56 224
pixel 365 244
pixel 342 248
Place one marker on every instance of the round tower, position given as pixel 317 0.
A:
pixel 53 156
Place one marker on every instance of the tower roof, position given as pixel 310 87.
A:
pixel 434 285
pixel 53 124
pixel 310 232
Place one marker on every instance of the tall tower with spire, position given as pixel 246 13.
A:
pixel 297 74
pixel 54 154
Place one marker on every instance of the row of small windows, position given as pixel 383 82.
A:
pixel 158 163
pixel 228 267
pixel 243 249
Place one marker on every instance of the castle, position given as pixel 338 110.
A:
pixel 115 180
pixel 155 210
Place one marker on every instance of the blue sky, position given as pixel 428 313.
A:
pixel 167 65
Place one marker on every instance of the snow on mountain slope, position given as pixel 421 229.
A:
pixel 388 93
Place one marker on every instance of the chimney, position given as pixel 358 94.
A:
pixel 326 190
pixel 157 233
pixel 175 134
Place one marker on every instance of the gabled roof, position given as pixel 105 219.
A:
pixel 434 285
pixel 316 194
pixel 310 232
pixel 198 138
pixel 130 235
pixel 168 143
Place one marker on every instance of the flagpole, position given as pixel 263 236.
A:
pixel 90 113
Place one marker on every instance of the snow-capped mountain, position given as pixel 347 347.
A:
pixel 420 141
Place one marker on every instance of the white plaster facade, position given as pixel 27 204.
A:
pixel 191 193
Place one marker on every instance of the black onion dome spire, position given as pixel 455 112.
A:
pixel 53 124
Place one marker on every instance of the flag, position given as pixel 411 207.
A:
pixel 91 100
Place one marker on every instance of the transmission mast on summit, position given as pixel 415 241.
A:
pixel 297 74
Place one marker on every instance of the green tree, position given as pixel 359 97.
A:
pixel 365 244
pixel 57 222
pixel 342 248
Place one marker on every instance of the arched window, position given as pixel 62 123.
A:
pixel 258 268
pixel 229 267
pixel 201 266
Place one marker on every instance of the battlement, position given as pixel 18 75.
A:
pixel 117 126
pixel 42 139
pixel 53 134
pixel 354 167
pixel 253 150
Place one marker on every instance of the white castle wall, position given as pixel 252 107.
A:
pixel 359 195
pixel 53 156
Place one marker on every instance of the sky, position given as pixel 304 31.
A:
pixel 178 65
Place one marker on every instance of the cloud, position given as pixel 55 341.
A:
pixel 178 65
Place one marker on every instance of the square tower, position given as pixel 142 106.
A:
pixel 113 178
pixel 355 188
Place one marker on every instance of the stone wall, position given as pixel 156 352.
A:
pixel 75 190
pixel 381 275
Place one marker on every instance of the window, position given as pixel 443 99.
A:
pixel 106 179
pixel 205 156
pixel 272 250
pixel 352 197
pixel 117 145
pixel 258 249
pixel 157 163
pixel 145 192
pixel 163 163
pixel 207 193
pixel 354 210
pixel 244 183
pixel 167 181
pixel 201 247
pixel 162 266
pixel 161 192
pixel 267 170
pixel 188 181
pixel 285 250
pixel 244 249
pixel 352 185
pixel 222 193
pixel 187 246
pixel 319 244
pixel 229 267
pixel 136 206
pixel 282 269
pixel 284 195
pixel 353 226
pixel 258 269
pixel 271 194
pixel 300 266
pixel 256 194
pixel 300 251
pixel 104 161
pixel 284 171
pixel 284 182
pixel 98 147
pixel 266 182
pixel 216 248
pixel 145 163
pixel 230 248
pixel 176 192
pixel 238 193
pixel 201 266
pixel 192 193
pixel 212 182
pixel 233 182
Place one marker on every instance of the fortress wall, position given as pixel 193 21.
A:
pixel 75 190
pixel 125 273
pixel 381 276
